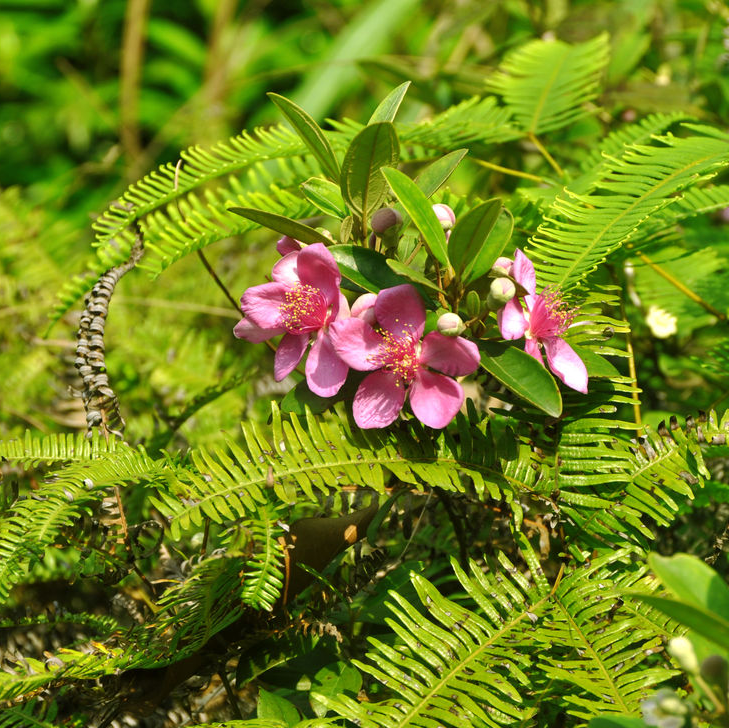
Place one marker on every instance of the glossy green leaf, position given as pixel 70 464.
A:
pixel 365 268
pixel 420 211
pixel 692 581
pixel 416 276
pixel 387 109
pixel 470 235
pixel 363 186
pixel 522 374
pixel 332 681
pixel 281 224
pixel 325 195
pixel 298 398
pixel 274 707
pixel 492 248
pixel 702 621
pixel 310 133
pixel 597 366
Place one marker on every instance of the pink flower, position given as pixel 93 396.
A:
pixel 402 364
pixel 286 245
pixel 544 322
pixel 300 303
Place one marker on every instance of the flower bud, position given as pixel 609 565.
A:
pixel 715 670
pixel 450 324
pixel 384 219
pixel 473 304
pixel 502 290
pixel 287 245
pixel 446 216
pixel 364 308
pixel 502 267
pixel 682 651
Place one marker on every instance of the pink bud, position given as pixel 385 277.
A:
pixel 502 290
pixel 450 324
pixel 445 215
pixel 502 267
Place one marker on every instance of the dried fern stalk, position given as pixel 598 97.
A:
pixel 100 401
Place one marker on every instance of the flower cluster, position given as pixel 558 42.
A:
pixel 382 334
pixel 543 320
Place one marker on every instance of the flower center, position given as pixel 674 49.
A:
pixel 399 354
pixel 305 309
pixel 560 314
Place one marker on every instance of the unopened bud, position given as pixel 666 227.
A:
pixel 364 308
pixel 384 219
pixel 473 304
pixel 450 324
pixel 502 290
pixel 446 216
pixel 502 267
pixel 682 651
pixel 714 669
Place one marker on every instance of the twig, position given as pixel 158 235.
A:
pixel 232 699
pixel 543 151
pixel 507 170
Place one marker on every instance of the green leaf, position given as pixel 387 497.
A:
pixel 469 238
pixel 522 374
pixel 310 134
pixel 616 721
pixel 436 174
pixel 375 147
pixel 387 109
pixel 702 621
pixel 420 211
pixel 325 195
pixel 692 581
pixel 281 224
pixel 416 276
pixel 332 681
pixel 366 268
pixel 300 397
pixel 274 707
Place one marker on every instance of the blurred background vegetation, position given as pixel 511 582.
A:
pixel 95 94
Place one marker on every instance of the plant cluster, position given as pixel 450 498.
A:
pixel 445 516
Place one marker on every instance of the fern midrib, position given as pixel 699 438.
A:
pixel 576 260
pixel 589 648
pixel 533 125
pixel 422 705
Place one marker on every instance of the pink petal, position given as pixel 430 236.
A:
pixel 261 304
pixel 316 267
pixel 531 346
pixel 511 320
pixel 523 272
pixel 401 311
pixel 356 343
pixel 325 371
pixel 454 356
pixel 290 350
pixel 343 312
pixel 364 304
pixel 540 322
pixel 565 363
pixel 435 398
pixel 247 330
pixel 288 245
pixel 284 270
pixel 378 401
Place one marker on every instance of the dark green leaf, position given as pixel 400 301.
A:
pixel 300 397
pixel 333 680
pixel 470 234
pixel 387 109
pixel 310 134
pixel 436 174
pixel 522 374
pixel 281 224
pixel 616 721
pixel 364 267
pixel 363 187
pixel 420 211
pixel 274 707
pixel 414 275
pixel 492 247
pixel 597 366
pixel 325 195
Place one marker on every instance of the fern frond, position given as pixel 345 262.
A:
pixel 32 450
pixel 597 652
pixel 546 84
pixel 35 523
pixel 452 666
pixel 581 230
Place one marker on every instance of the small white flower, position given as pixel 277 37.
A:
pixel 661 323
